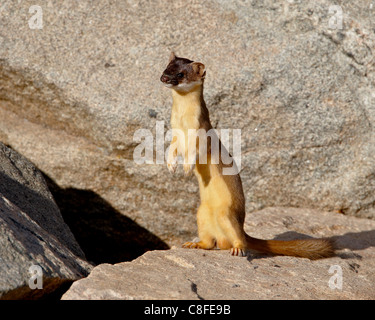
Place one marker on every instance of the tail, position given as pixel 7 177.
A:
pixel 308 248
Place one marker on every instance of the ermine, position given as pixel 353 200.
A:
pixel 221 213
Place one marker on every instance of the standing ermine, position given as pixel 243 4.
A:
pixel 221 213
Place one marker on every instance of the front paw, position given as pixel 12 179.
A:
pixel 172 166
pixel 188 168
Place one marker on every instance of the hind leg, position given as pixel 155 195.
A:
pixel 204 220
pixel 233 231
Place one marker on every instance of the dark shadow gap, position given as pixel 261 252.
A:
pixel 104 234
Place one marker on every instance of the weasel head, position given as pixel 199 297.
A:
pixel 182 74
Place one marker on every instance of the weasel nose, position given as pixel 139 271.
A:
pixel 164 78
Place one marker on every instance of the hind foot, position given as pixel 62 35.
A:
pixel 238 252
pixel 196 245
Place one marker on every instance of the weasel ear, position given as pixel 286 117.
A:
pixel 199 69
pixel 172 56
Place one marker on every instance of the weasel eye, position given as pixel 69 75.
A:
pixel 180 75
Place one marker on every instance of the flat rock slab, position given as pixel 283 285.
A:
pixel 198 274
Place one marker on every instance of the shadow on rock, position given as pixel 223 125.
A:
pixel 104 234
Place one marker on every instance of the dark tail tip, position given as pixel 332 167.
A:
pixel 319 248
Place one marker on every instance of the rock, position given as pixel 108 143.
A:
pixel 199 274
pixel 33 233
pixel 296 82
